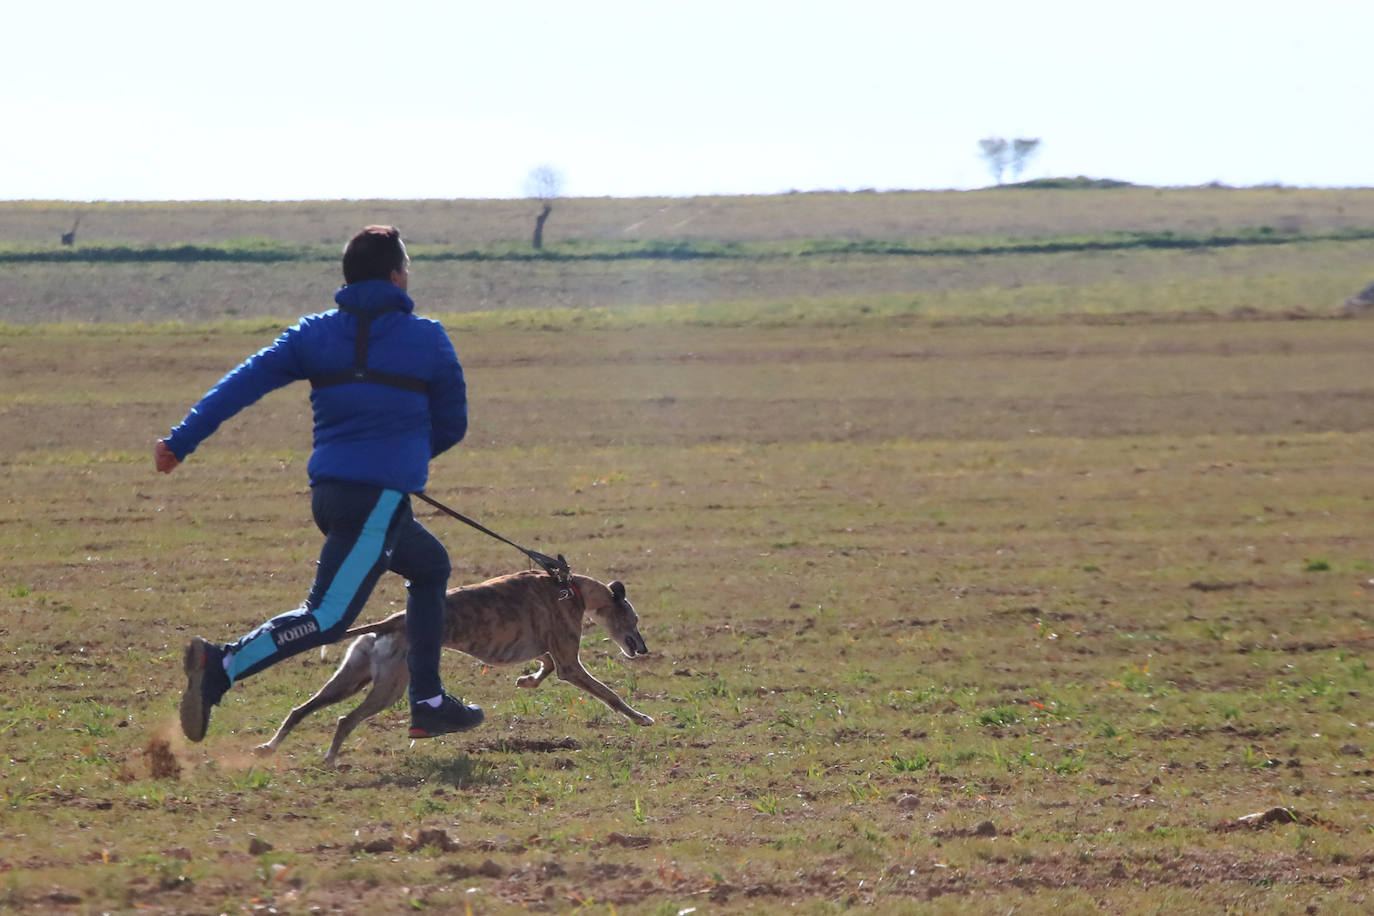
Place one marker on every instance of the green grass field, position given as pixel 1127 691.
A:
pixel 977 584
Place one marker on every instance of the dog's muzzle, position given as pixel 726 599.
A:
pixel 635 645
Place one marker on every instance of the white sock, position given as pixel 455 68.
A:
pixel 434 702
pixel 225 661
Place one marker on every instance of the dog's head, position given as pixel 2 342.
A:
pixel 610 608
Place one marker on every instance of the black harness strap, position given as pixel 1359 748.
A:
pixel 360 372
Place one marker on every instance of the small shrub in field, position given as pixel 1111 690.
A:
pixel 768 804
pixel 253 779
pixel 915 763
pixel 999 716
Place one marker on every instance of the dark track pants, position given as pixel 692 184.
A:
pixel 367 531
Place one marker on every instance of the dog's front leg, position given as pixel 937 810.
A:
pixel 577 675
pixel 546 667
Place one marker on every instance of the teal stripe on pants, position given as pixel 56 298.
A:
pixel 361 559
pixel 343 588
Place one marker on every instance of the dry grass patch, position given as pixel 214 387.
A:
pixel 943 618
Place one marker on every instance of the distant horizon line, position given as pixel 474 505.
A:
pixel 1063 183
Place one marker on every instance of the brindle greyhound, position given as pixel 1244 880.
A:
pixel 507 620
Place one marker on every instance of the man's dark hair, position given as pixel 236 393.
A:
pixel 373 254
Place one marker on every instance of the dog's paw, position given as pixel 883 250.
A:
pixel 641 719
pixel 527 681
pixel 262 750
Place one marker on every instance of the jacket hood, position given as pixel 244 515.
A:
pixel 374 296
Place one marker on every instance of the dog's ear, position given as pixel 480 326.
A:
pixel 617 590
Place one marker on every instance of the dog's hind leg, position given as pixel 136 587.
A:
pixel 352 675
pixel 389 676
pixel 578 676
pixel 546 667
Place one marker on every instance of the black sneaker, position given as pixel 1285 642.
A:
pixel 206 682
pixel 449 716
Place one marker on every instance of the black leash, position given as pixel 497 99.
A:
pixel 557 568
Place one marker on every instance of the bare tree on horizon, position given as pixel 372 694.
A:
pixel 545 184
pixel 1022 149
pixel 995 152
pixel 1000 154
pixel 69 238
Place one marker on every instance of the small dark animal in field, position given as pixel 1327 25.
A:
pixel 1364 299
pixel 503 621
pixel 69 238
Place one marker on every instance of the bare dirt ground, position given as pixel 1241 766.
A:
pixel 977 585
pixel 945 618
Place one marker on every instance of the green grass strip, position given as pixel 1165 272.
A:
pixel 269 251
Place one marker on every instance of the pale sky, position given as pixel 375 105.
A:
pixel 328 99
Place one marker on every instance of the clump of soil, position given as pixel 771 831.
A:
pixel 162 763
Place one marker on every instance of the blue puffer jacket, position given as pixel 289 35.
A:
pixel 364 432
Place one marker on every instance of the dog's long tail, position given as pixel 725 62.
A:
pixel 396 621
